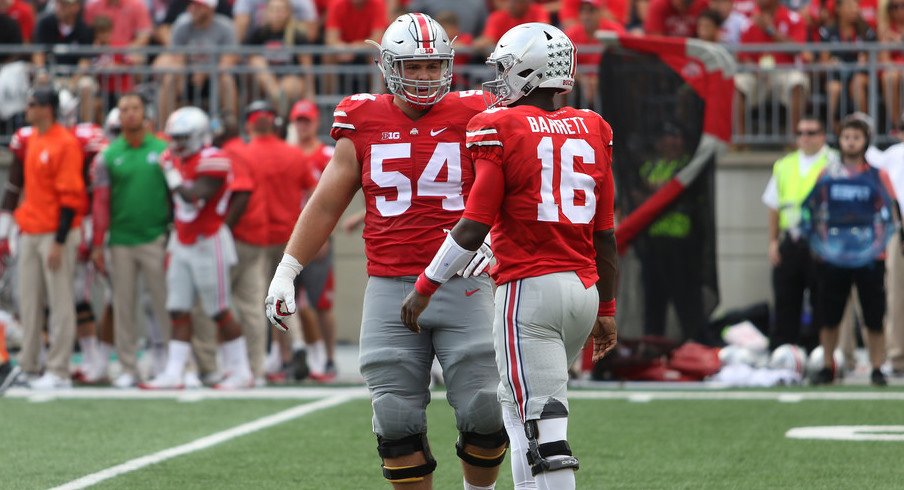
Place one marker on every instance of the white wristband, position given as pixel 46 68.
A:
pixel 288 268
pixel 449 259
pixel 6 223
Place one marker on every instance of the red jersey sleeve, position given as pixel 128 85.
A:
pixel 214 164
pixel 482 136
pixel 344 117
pixel 19 142
pixel 486 194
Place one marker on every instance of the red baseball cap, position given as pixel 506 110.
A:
pixel 304 109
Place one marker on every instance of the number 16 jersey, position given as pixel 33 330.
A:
pixel 551 188
pixel 415 174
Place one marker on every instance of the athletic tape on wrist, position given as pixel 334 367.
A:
pixel 449 259
pixel 288 267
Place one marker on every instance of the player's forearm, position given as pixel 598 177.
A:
pixel 606 264
pixel 100 212
pixel 773 224
pixel 13 186
pixel 237 205
pixel 469 234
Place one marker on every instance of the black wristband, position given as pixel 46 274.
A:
pixel 66 217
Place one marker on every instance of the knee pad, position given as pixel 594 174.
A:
pixel 538 455
pixel 396 448
pixel 397 417
pixel 495 440
pixel 482 413
pixel 83 313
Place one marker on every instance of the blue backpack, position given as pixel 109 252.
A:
pixel 848 220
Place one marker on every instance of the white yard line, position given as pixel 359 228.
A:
pixel 634 394
pixel 205 442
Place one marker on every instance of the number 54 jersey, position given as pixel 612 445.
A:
pixel 415 174
pixel 548 186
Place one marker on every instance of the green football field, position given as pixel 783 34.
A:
pixel 320 439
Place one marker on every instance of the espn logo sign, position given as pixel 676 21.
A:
pixel 391 135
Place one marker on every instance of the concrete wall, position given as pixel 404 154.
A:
pixel 742 235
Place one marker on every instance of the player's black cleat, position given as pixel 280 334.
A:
pixel 876 378
pixel 8 375
pixel 299 365
pixel 824 376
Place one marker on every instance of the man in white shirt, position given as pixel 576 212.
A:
pixel 793 273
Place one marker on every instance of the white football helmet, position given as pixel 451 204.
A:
pixel 112 126
pixel 530 56
pixel 789 357
pixel 189 131
pixel 415 37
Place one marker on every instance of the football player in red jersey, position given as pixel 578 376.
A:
pixel 406 151
pixel 201 250
pixel 544 186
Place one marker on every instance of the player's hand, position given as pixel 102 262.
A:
pixel 83 254
pixel 604 335
pixel 414 305
pixel 172 175
pixel 480 261
pixel 280 302
pixel 97 258
pixel 55 256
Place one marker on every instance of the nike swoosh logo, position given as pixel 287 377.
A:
pixel 471 292
pixel 434 132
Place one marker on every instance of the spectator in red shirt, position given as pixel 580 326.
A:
pixel 891 21
pixel 349 23
pixel 708 25
pixel 849 27
pixel 593 16
pixel 615 10
pixel 776 77
pixel 516 12
pixel 131 20
pixel 23 14
pixel 110 85
pixel 676 18
pixel 449 21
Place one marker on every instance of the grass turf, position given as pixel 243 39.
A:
pixel 621 444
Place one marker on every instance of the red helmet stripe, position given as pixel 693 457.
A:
pixel 424 29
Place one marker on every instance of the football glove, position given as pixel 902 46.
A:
pixel 280 301
pixel 172 174
pixel 480 261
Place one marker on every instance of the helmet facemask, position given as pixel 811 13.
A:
pixel 423 93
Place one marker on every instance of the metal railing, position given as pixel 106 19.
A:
pixel 200 81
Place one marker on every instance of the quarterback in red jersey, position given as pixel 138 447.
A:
pixel 201 250
pixel 544 185
pixel 406 151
